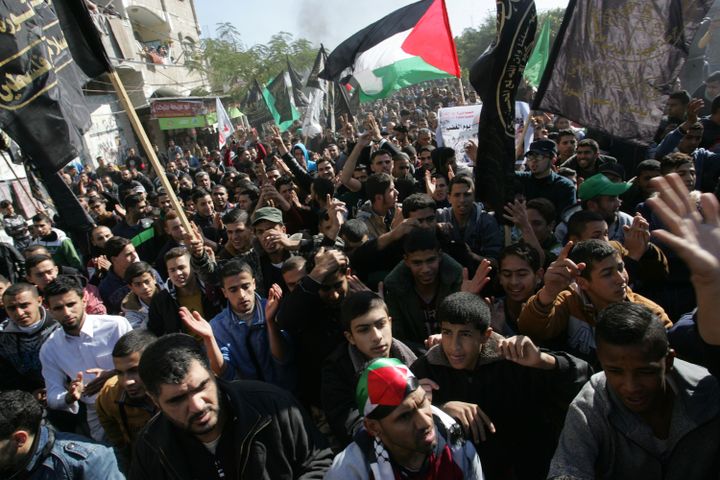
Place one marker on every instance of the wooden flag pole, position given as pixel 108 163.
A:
pixel 147 147
pixel 462 91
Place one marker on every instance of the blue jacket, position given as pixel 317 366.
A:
pixel 246 349
pixel 65 456
pixel 707 163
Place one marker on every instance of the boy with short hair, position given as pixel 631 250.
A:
pixel 417 285
pixel 368 330
pixel 135 306
pixel 647 414
pixel 585 279
pixel 506 386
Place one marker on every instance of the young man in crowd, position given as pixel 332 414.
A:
pixel 27 327
pixel 316 336
pixel 471 224
pixel 209 428
pixel 41 270
pixel 646 414
pixel 585 279
pixel 417 285
pixel 404 434
pixel 123 405
pixel 33 450
pixel 15 225
pixel 496 387
pixel 80 350
pixel 244 341
pixel 175 232
pixel 368 331
pixel 137 227
pixel 542 181
pixel 379 211
pixel 56 241
pixel 184 288
pixel 239 234
pixel 135 307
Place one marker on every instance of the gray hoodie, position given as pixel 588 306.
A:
pixel 602 439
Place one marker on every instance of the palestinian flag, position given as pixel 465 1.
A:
pixel 411 45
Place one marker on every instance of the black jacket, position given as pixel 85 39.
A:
pixel 526 405
pixel 164 316
pixel 339 380
pixel 315 331
pixel 274 439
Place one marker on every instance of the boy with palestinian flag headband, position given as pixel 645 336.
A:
pixel 405 437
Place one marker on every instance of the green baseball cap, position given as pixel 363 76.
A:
pixel 270 214
pixel 383 385
pixel 601 185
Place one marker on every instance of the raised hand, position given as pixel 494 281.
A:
pixel 637 237
pixel 479 280
pixel 195 323
pixel 559 275
pixel 273 302
pixel 521 350
pixel 694 236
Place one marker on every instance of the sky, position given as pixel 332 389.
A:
pixel 328 21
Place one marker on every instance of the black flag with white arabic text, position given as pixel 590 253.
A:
pixel 614 63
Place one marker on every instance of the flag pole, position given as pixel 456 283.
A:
pixel 147 147
pixel 462 91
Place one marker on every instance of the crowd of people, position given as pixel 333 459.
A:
pixel 343 307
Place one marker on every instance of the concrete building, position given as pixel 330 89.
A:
pixel 148 42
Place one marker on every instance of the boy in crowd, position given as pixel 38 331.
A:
pixel 27 327
pixel 585 279
pixel 417 285
pixel 368 331
pixel 647 414
pixel 123 405
pixel 501 385
pixel 184 288
pixel 135 306
pixel 56 241
pixel 41 270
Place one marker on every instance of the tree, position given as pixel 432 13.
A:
pixel 472 42
pixel 231 67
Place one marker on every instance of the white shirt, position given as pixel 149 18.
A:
pixel 64 355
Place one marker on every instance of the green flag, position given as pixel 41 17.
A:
pixel 539 58
pixel 279 99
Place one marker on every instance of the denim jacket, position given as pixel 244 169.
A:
pixel 64 456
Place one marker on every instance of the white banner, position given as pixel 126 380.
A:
pixel 458 125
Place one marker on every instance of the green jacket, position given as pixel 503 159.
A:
pixel 408 322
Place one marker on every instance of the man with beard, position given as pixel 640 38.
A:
pixel 209 428
pixel 80 349
pixel 123 405
pixel 405 436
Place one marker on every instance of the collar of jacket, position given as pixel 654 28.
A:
pixel 489 353
pixel 397 350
